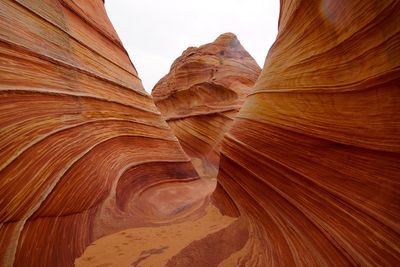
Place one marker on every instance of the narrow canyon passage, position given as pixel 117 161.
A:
pixel 224 164
pixel 199 98
pixel 179 213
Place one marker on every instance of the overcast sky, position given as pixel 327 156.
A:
pixel 156 32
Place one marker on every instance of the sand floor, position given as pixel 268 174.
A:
pixel 151 246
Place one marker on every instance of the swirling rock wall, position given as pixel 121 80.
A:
pixel 312 160
pixel 80 139
pixel 310 166
pixel 201 94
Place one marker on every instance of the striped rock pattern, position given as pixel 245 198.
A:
pixel 201 94
pixel 309 171
pixel 80 140
pixel 312 161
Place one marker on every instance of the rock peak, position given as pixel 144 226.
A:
pixel 227 35
pixel 201 94
pixel 227 38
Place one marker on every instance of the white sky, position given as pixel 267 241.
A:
pixel 156 32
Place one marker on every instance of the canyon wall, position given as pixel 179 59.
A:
pixel 202 93
pixel 80 139
pixel 312 160
pixel 308 171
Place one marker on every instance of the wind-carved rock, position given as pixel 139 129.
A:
pixel 91 174
pixel 81 143
pixel 312 161
pixel 203 91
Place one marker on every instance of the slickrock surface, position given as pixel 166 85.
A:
pixel 312 160
pixel 202 93
pixel 82 146
pixel 91 174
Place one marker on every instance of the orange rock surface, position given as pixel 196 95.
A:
pixel 81 143
pixel 201 94
pixel 312 160
pixel 92 175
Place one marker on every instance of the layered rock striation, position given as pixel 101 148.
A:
pixel 312 161
pixel 80 140
pixel 201 94
pixel 92 175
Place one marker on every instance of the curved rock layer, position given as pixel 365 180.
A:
pixel 201 94
pixel 312 161
pixel 83 148
pixel 310 166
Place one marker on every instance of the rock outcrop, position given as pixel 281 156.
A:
pixel 308 173
pixel 201 94
pixel 312 161
pixel 81 142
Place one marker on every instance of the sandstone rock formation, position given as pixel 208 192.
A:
pixel 308 174
pixel 311 163
pixel 312 160
pixel 81 142
pixel 201 94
